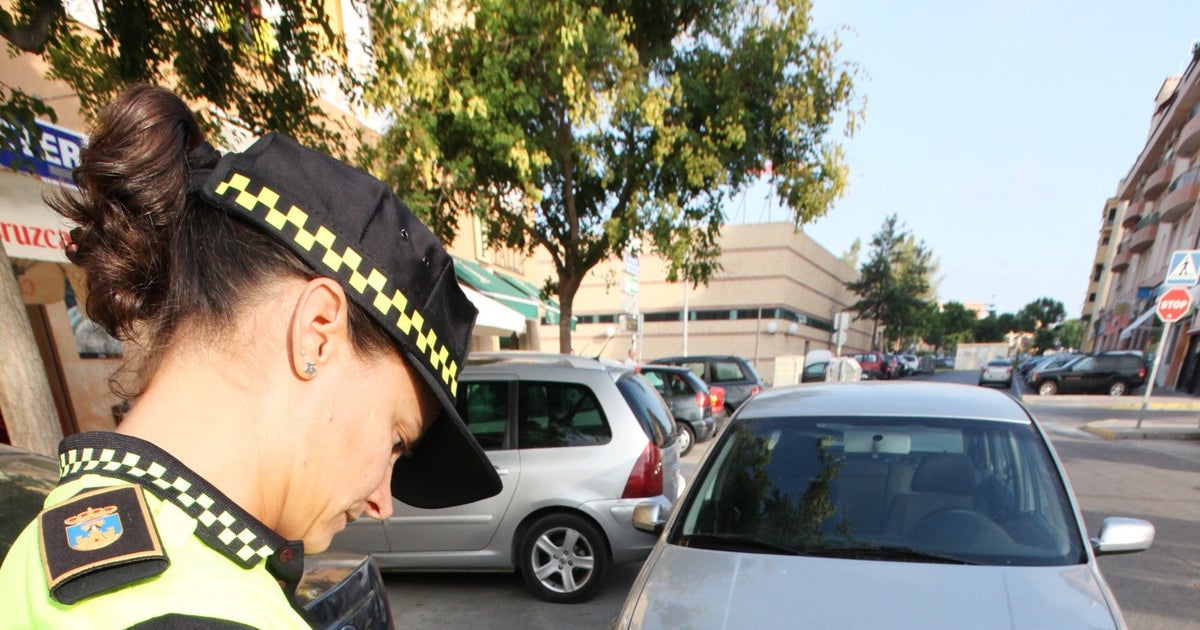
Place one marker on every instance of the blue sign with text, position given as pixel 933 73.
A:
pixel 60 149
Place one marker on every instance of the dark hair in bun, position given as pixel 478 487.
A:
pixel 154 256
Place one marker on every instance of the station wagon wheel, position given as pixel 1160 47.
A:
pixel 1118 388
pixel 1048 388
pixel 563 558
pixel 686 438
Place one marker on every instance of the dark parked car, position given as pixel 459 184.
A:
pixel 735 374
pixel 690 402
pixel 339 589
pixel 1112 374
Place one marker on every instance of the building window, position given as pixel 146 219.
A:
pixel 1098 272
pixel 1091 298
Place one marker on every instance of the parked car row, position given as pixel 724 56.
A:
pixel 1112 373
pixel 916 511
pixel 885 365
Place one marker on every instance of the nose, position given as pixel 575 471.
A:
pixel 379 502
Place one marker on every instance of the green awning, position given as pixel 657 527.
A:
pixel 475 276
pixel 550 305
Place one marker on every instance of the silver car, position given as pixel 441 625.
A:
pixel 578 443
pixel 879 505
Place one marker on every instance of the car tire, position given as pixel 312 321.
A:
pixel 1047 388
pixel 686 439
pixel 563 558
pixel 1118 388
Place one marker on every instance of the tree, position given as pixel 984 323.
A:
pixel 1040 317
pixel 580 126
pixel 262 74
pixel 994 327
pixel 850 256
pixel 1043 313
pixel 1070 333
pixel 893 284
pixel 949 325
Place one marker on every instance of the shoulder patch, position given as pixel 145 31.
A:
pixel 98 541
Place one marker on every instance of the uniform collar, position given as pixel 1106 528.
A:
pixel 220 522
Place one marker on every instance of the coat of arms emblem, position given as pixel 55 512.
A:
pixel 94 528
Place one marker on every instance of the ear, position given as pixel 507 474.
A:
pixel 320 326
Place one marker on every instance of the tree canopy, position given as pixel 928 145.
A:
pixel 893 284
pixel 262 72
pixel 581 126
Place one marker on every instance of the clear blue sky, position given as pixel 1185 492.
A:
pixel 996 131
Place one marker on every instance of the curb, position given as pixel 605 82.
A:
pixel 1143 434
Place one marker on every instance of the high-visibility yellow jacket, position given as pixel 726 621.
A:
pixel 131 537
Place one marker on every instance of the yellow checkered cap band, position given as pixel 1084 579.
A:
pixel 370 287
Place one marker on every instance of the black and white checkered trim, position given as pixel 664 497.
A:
pixel 220 522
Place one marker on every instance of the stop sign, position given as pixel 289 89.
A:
pixel 1173 304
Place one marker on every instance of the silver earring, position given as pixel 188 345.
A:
pixel 310 368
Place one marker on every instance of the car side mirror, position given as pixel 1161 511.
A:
pixel 647 517
pixel 1117 535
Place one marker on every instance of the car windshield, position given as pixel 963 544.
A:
pixel 906 489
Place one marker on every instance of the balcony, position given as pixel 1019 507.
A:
pixel 1121 261
pixel 1143 237
pixel 1133 214
pixel 1181 195
pixel 1157 181
pixel 1189 136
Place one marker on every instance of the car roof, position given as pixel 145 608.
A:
pixel 885 399
pixel 701 357
pixel 547 359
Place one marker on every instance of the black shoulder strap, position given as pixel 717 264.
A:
pixel 98 541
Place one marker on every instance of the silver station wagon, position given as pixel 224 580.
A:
pixel 578 443
pixel 879 505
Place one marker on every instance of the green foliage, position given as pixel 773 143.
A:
pixel 585 127
pixel 1070 333
pixel 1041 313
pixel 222 52
pixel 893 284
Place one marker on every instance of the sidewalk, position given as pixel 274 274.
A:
pixel 1185 426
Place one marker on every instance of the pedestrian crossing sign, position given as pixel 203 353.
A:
pixel 1184 269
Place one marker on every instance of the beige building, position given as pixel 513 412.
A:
pixel 1111 233
pixel 1160 193
pixel 777 294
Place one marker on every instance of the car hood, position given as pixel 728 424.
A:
pixel 701 588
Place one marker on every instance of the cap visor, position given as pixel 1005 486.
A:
pixel 447 467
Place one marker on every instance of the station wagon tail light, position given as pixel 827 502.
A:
pixel 755 389
pixel 718 398
pixel 701 399
pixel 1142 373
pixel 646 478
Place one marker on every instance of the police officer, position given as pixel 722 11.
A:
pixel 295 336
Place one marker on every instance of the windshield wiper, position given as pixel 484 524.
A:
pixel 731 542
pixel 885 552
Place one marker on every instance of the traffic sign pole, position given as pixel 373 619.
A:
pixel 1162 344
pixel 1171 307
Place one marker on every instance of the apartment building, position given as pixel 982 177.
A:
pixel 1096 298
pixel 1160 192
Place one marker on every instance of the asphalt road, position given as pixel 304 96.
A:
pixel 1155 479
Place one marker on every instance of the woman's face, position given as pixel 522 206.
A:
pixel 375 409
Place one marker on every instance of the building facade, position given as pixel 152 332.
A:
pixel 1160 217
pixel 778 294
pixel 1096 298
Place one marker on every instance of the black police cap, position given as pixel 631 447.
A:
pixel 349 226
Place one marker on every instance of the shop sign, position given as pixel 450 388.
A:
pixel 60 150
